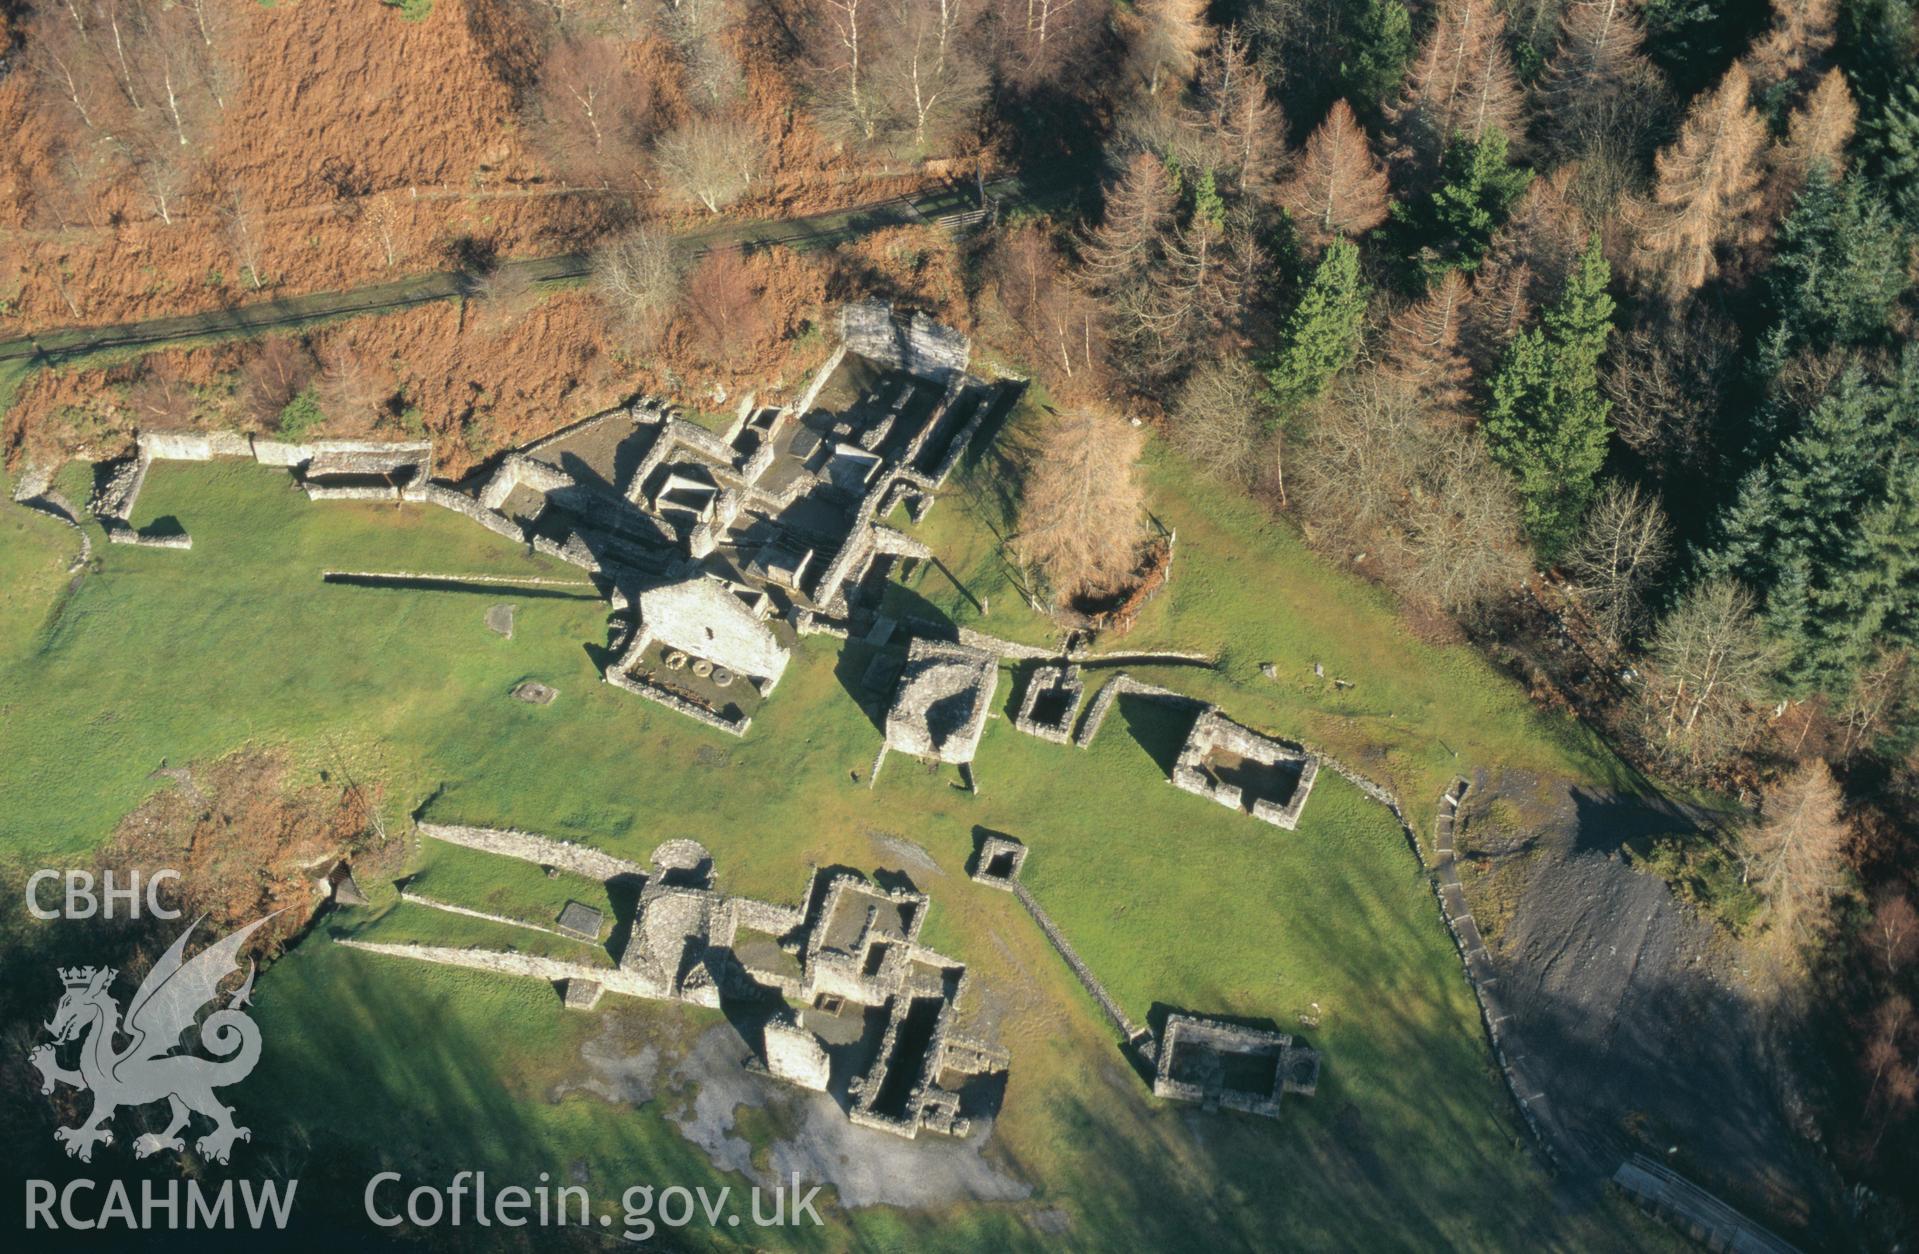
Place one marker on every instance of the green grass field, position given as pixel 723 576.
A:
pixel 1178 904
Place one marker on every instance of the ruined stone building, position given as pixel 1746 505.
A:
pixel 845 998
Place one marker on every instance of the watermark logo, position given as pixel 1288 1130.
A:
pixel 148 1070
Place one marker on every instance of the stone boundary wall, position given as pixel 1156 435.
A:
pixel 319 493
pixel 1527 1095
pixel 448 907
pixel 1120 685
pixel 818 382
pixel 1128 1029
pixel 502 581
pixel 679 705
pixel 120 533
pixel 962 438
pixel 539 850
pixel 466 507
pixel 630 983
pixel 1004 648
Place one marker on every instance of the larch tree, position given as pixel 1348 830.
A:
pixel 1422 349
pixel 1339 188
pixel 1080 516
pixel 1598 89
pixel 1817 133
pixel 1239 125
pixel 1795 857
pixel 1707 195
pixel 1462 83
pixel 1168 37
pixel 1793 50
pixel 1547 421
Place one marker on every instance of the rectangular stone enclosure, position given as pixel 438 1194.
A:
pixel 1240 768
pixel 1227 1064
pixel 1052 698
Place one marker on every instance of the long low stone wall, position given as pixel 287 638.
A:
pixel 539 850
pixel 613 979
pixel 1128 1029
pixel 1118 686
pixel 447 907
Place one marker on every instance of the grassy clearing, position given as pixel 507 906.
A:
pixel 34 552
pixel 1177 903
pixel 1246 590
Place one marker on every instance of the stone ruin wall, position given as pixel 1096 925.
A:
pixel 447 907
pixel 617 676
pixel 539 850
pixel 629 983
pixel 919 345
pixel 1128 1029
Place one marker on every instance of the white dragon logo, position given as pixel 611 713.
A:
pixel 168 1003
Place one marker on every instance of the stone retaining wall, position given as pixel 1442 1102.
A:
pixel 539 850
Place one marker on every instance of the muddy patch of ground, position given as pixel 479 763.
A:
pixel 1627 1008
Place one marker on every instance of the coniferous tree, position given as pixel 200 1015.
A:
pixel 1462 83
pixel 1422 350
pixel 1379 44
pixel 1599 88
pixel 1793 51
pixel 1547 423
pixel 1321 335
pixel 1817 133
pixel 1839 266
pixel 1707 196
pixel 1242 130
pixel 1450 228
pixel 1826 532
pixel 1892 136
pixel 1339 187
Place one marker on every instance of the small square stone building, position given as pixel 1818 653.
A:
pixel 945 693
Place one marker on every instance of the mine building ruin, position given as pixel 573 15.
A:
pixel 845 997
pixel 1226 1064
pixel 945 693
pixel 1244 770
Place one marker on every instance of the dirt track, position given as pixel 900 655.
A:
pixel 1627 1008
pixel 945 204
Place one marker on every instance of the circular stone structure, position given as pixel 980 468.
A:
pixel 680 855
pixel 702 668
pixel 721 677
pixel 675 660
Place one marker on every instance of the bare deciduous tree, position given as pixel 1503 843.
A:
pixel 639 275
pixel 1080 514
pixel 242 231
pixel 1894 931
pixel 1057 319
pixel 1218 417
pixel 711 161
pixel 1167 39
pixel 1625 542
pixel 273 376
pixel 592 112
pixel 1711 667
pixel 1236 123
